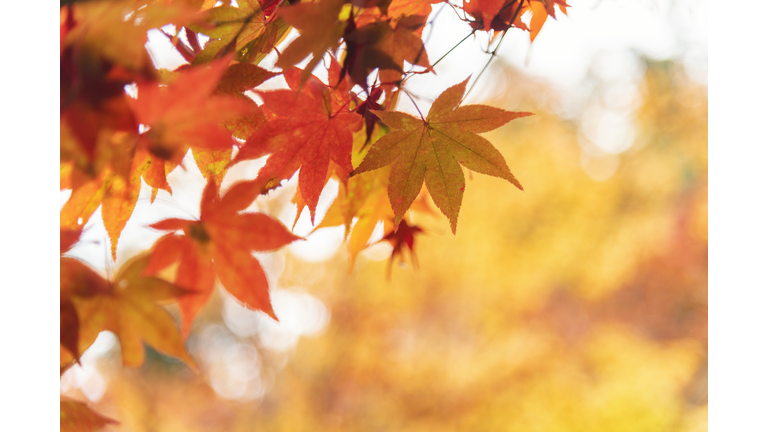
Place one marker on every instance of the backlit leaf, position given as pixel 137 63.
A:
pixel 432 150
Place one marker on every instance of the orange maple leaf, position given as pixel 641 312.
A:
pixel 311 129
pixel 431 150
pixel 126 306
pixel 185 114
pixel 220 244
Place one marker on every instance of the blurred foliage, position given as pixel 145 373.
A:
pixel 578 305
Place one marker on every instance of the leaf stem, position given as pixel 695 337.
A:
pixel 493 53
pixel 407 93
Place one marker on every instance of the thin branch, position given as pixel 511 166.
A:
pixel 488 63
pixel 454 47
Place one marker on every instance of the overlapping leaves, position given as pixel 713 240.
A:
pixel 113 143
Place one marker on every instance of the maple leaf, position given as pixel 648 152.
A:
pixel 387 47
pixel 115 193
pixel 500 15
pixel 320 29
pixel 220 244
pixel 127 307
pixel 311 129
pixel 404 44
pixel 185 114
pixel 497 15
pixel 119 201
pixel 230 29
pixel 362 54
pixel 78 417
pixel 404 235
pixel 431 150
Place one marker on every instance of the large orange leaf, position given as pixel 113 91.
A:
pixel 311 128
pixel 185 114
pixel 126 306
pixel 431 150
pixel 220 244
pixel 117 194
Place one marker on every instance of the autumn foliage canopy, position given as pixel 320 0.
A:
pixel 345 128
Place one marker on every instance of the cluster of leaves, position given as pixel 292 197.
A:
pixel 112 143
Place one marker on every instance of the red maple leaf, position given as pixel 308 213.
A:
pixel 220 244
pixel 404 235
pixel 311 128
